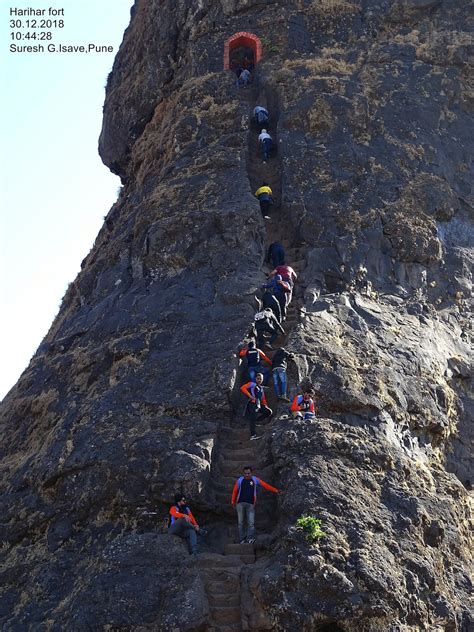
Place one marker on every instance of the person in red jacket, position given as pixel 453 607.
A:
pixel 256 408
pixel 302 406
pixel 183 524
pixel 244 497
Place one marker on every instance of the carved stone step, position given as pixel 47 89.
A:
pixel 223 600
pixel 216 561
pixel 239 549
pixel 225 615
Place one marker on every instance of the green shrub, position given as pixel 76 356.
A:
pixel 311 527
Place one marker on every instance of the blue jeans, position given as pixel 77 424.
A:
pixel 279 379
pixel 246 510
pixel 266 146
pixel 183 529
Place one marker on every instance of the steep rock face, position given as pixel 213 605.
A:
pixel 130 395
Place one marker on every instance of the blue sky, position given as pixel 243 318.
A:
pixel 54 189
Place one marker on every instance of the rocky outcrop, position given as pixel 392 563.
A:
pixel 133 394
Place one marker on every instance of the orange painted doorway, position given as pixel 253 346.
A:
pixel 242 46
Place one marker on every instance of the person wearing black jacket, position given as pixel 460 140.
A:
pixel 279 362
pixel 266 322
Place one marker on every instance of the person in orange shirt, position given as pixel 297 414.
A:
pixel 302 406
pixel 244 497
pixel 256 408
pixel 183 524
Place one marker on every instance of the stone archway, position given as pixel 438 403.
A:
pixel 242 40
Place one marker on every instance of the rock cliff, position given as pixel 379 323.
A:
pixel 134 393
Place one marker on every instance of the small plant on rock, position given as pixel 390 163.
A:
pixel 311 527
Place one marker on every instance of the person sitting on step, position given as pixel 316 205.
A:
pixel 260 115
pixel 265 142
pixel 256 408
pixel 244 498
pixel 302 406
pixel 264 196
pixel 254 361
pixel 183 524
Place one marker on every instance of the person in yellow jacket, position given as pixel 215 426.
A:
pixel 264 196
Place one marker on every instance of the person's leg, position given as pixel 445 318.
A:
pixel 276 382
pixel 282 376
pixel 274 335
pixel 240 518
pixel 252 372
pixel 264 412
pixel 251 522
pixel 309 415
pixel 260 336
pixel 252 417
pixel 265 207
pixel 192 539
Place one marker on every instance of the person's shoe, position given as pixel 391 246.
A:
pixel 243 541
pixel 267 217
pixel 264 162
pixel 204 531
pixel 254 438
pixel 285 398
pixel 251 541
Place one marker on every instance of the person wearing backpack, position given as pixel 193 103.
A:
pixel 276 254
pixel 254 361
pixel 244 498
pixel 265 322
pixel 260 115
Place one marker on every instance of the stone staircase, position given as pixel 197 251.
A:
pixel 222 572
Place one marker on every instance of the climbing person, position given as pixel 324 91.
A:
pixel 279 365
pixel 266 323
pixel 286 272
pixel 279 289
pixel 264 196
pixel 265 141
pixel 260 115
pixel 289 276
pixel 244 498
pixel 302 406
pixel 244 78
pixel 276 254
pixel 183 524
pixel 270 301
pixel 256 408
pixel 254 358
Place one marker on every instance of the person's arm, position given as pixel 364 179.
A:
pixel 193 519
pixel 284 286
pixel 277 324
pixel 294 406
pixel 312 408
pixel 235 491
pixel 265 357
pixel 268 487
pixel 177 514
pixel 242 353
pixel 245 390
